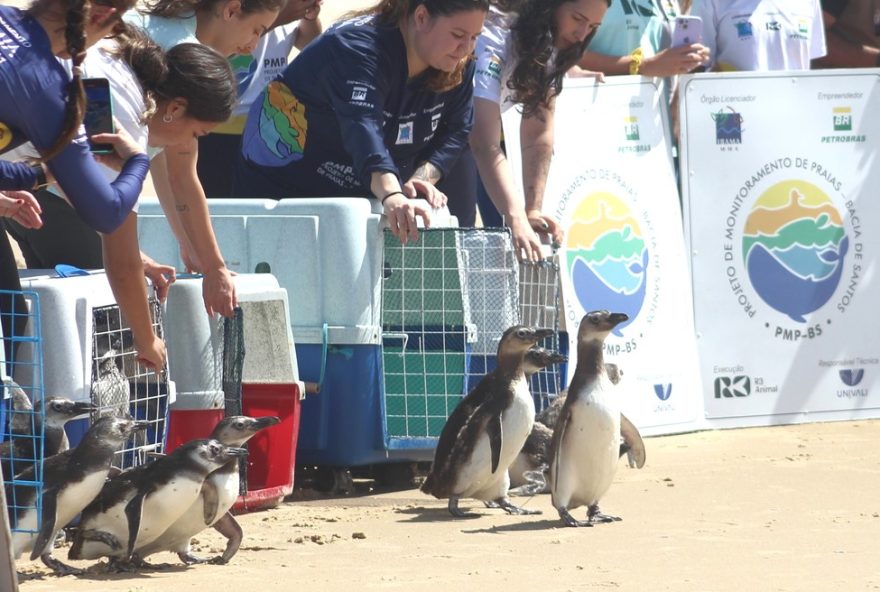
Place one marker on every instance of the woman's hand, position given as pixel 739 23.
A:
pixel 526 243
pixel 22 207
pixel 675 60
pixel 161 276
pixel 218 291
pixel 419 188
pixel 151 354
pixel 124 147
pixel 402 212
pixel 543 224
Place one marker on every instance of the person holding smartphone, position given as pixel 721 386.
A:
pixel 43 104
pixel 760 35
pixel 636 38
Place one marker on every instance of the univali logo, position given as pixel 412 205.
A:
pixel 852 376
pixel 663 391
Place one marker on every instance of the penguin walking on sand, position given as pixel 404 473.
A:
pixel 589 436
pixel 219 492
pixel 71 480
pixel 22 449
pixel 137 506
pixel 486 430
pixel 527 470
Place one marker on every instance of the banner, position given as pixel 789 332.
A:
pixel 783 223
pixel 612 186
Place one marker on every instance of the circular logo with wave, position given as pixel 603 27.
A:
pixel 794 246
pixel 607 258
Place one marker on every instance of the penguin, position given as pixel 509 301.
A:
pixel 23 448
pixel 211 508
pixel 587 437
pixel 527 470
pixel 550 414
pixel 138 505
pixel 110 390
pixel 71 480
pixel 485 432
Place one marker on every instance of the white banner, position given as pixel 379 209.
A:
pixel 613 188
pixel 783 222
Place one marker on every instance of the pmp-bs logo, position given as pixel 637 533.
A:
pixel 728 127
pixel 607 257
pixel 729 387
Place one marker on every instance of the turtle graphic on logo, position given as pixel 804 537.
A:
pixel 794 245
pixel 283 128
pixel 607 257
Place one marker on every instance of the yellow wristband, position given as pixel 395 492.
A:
pixel 635 63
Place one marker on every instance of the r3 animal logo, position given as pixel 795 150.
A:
pixel 728 387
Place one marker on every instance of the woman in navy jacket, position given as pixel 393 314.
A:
pixel 379 105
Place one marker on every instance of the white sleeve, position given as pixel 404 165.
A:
pixel 491 55
pixel 818 48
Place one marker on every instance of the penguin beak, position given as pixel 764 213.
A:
pixel 236 452
pixel 615 318
pixel 83 407
pixel 540 334
pixel 265 422
pixel 140 426
pixel 557 358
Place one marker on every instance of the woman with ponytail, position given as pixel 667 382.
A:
pixel 379 105
pixel 42 103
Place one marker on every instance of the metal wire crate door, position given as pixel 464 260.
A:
pixel 446 299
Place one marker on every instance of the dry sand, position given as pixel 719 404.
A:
pixel 786 508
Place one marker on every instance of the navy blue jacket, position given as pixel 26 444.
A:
pixel 343 109
pixel 32 103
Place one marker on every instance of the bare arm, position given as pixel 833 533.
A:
pixel 667 62
pixel 125 273
pixel 422 184
pixel 190 209
pixel 843 53
pixel 497 177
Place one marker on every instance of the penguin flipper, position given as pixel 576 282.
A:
pixel 133 512
pixel 210 502
pixel 631 442
pixel 47 522
pixel 496 439
pixel 558 437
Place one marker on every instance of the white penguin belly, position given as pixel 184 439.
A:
pixel 476 479
pixel 587 460
pixel 69 503
pixel 177 536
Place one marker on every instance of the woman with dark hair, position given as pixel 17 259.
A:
pixel 522 57
pixel 160 100
pixel 41 103
pixel 231 27
pixel 379 105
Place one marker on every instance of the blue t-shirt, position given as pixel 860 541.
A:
pixel 343 109
pixel 33 87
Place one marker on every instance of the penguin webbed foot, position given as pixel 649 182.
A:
pixel 58 567
pixel 490 504
pixel 117 565
pixel 142 563
pixel 218 560
pixel 595 516
pixel 506 505
pixel 570 520
pixel 458 512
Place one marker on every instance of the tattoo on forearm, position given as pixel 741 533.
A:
pixel 427 172
pixel 181 207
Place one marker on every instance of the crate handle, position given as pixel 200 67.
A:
pixel 402 336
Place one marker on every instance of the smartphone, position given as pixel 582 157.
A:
pixel 687 30
pixel 99 112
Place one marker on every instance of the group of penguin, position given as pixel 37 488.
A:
pixel 491 439
pixel 124 515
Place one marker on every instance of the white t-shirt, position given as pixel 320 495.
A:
pixel 761 35
pixel 495 59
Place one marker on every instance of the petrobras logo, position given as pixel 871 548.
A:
pixel 793 248
pixel 359 93
pixel 842 119
pixel 609 256
pixel 728 127
pixel 729 387
pixel 631 128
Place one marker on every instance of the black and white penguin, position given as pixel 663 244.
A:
pixel 589 435
pixel 486 431
pixel 71 480
pixel 527 471
pixel 219 493
pixel 138 505
pixel 23 448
